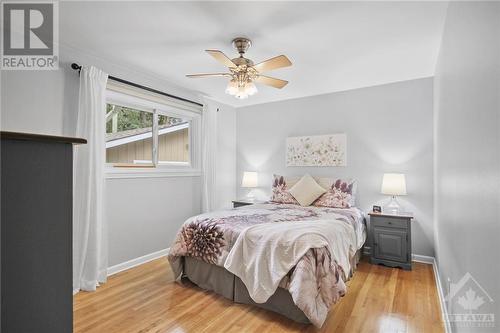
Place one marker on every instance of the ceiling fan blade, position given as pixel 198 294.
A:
pixel 273 63
pixel 221 57
pixel 207 75
pixel 271 81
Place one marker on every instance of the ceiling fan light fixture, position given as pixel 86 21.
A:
pixel 232 88
pixel 242 93
pixel 250 88
pixel 243 73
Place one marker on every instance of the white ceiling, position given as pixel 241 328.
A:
pixel 334 46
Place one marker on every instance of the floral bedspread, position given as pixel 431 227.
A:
pixel 316 282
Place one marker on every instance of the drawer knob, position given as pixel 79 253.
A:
pixel 389 222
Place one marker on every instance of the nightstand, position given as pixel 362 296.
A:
pixel 245 202
pixel 391 239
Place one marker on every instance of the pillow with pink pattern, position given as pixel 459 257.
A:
pixel 340 193
pixel 280 190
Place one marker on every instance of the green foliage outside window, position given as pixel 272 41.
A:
pixel 129 119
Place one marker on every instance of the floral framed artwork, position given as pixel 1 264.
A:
pixel 319 150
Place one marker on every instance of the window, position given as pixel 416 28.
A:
pixel 173 140
pixel 150 133
pixel 129 136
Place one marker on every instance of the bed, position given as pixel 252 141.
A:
pixel 286 258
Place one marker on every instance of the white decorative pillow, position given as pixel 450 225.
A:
pixel 306 190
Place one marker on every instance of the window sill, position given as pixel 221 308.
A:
pixel 117 173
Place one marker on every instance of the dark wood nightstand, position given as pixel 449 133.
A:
pixel 391 235
pixel 245 202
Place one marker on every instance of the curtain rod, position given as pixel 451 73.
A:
pixel 77 67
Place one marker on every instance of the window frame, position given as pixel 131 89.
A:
pixel 157 107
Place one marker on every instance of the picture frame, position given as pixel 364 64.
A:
pixel 377 209
pixel 317 150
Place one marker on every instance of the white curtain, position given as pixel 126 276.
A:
pixel 209 156
pixel 90 258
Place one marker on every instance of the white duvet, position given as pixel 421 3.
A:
pixel 264 253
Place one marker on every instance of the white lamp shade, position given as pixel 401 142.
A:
pixel 393 184
pixel 250 179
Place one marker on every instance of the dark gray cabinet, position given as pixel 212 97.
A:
pixel 36 233
pixel 245 202
pixel 391 240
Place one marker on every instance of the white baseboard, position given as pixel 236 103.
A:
pixel 414 257
pixel 442 302
pixel 422 259
pixel 137 261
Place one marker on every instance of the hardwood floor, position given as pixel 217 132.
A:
pixel 145 300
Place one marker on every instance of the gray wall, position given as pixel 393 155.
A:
pixel 143 214
pixel 389 129
pixel 467 167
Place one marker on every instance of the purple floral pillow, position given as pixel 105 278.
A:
pixel 280 193
pixel 340 193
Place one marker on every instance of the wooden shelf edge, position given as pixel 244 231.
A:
pixel 5 135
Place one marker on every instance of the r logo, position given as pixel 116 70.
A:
pixel 28 29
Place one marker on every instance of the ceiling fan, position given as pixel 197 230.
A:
pixel 242 71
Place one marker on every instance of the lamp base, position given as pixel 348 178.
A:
pixel 393 207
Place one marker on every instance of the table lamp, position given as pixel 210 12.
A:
pixel 250 180
pixel 393 184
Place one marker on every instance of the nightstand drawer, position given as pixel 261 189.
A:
pixel 389 222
